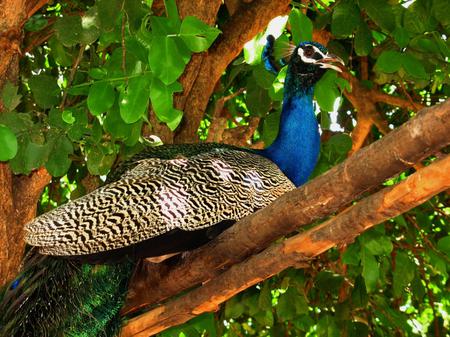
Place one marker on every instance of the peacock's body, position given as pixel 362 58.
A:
pixel 164 200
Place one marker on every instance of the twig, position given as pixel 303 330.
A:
pixel 124 51
pixel 72 74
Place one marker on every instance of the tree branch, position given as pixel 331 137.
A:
pixel 366 169
pixel 296 251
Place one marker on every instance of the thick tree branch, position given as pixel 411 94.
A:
pixel 366 169
pixel 297 250
pixel 242 26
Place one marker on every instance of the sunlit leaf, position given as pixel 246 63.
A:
pixel 8 140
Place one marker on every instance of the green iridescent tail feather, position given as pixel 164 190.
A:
pixel 59 297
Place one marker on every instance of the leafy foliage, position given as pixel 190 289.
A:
pixel 84 100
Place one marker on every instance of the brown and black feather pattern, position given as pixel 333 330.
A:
pixel 188 190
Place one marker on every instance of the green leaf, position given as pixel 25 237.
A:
pixel 357 329
pixel 262 77
pixel 79 127
pixel 359 293
pixel 380 12
pixel 133 100
pixel 271 126
pixel 97 73
pixel 234 308
pixel 115 125
pixel 351 255
pixel 90 26
pixel 171 10
pixel 59 162
pixel 444 244
pixel 9 97
pixel 326 91
pixel 197 35
pixel 162 27
pixel 265 297
pixel 401 37
pixel 370 270
pixel 45 90
pixel 326 327
pixel 418 19
pixel 376 243
pixel 67 116
pixel 165 60
pixel 55 119
pixel 403 273
pixel 257 98
pixel 60 53
pixel 69 30
pixel 114 66
pixel 340 144
pixel 389 61
pixel 108 13
pixel 438 264
pixel 100 98
pixel 135 12
pixel 30 156
pixel 440 10
pixel 345 19
pixel 363 40
pixel 291 304
pixel 264 317
pixel 100 160
pixel 161 96
pixel 8 143
pixel 17 122
pixel 277 88
pixel 301 26
pixel 253 49
pixel 413 66
pixel 36 23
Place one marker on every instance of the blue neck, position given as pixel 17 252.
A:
pixel 297 145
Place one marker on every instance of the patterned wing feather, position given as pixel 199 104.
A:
pixel 157 196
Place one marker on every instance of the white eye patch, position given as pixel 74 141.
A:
pixel 309 58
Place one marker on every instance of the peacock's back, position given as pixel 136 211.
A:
pixel 163 200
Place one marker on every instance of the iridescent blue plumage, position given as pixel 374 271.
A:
pixel 296 148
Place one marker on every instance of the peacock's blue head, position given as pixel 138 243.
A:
pixel 307 64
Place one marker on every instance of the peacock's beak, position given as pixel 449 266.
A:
pixel 330 61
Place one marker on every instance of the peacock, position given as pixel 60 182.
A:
pixel 164 200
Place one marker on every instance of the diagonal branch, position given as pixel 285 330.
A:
pixel 297 250
pixel 420 137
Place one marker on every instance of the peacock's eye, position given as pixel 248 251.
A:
pixel 308 51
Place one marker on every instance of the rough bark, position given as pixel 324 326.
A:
pixel 420 137
pixel 297 250
pixel 249 20
pixel 18 195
